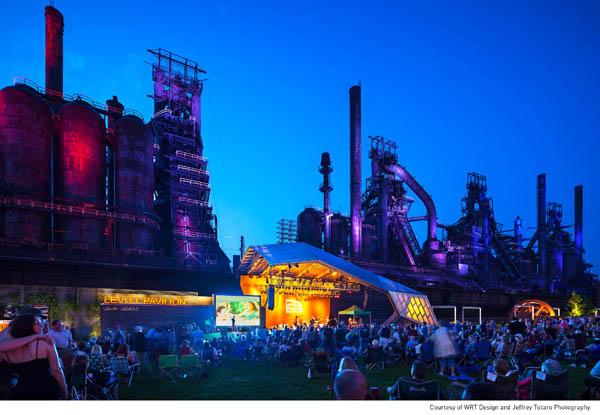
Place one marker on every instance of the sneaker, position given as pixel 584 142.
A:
pixel 573 365
pixel 583 365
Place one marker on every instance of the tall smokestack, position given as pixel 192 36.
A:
pixel 541 224
pixel 326 188
pixel 579 227
pixel 54 51
pixel 355 172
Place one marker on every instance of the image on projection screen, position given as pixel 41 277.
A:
pixel 245 309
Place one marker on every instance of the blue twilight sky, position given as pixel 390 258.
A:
pixel 509 89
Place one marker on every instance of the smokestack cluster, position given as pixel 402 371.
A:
pixel 355 171
pixel 541 224
pixel 579 228
pixel 326 188
pixel 54 51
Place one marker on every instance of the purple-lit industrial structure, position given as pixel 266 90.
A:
pixel 476 263
pixel 91 195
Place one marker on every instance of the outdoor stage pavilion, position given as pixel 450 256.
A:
pixel 299 282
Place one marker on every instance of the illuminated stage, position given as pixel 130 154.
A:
pixel 296 282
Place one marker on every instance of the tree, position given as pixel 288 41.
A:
pixel 578 304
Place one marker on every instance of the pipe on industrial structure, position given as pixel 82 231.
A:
pixel 115 111
pixel 579 228
pixel 412 183
pixel 541 224
pixel 355 171
pixel 326 188
pixel 54 51
pixel 383 216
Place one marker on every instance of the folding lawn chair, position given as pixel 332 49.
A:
pixel 375 358
pixel 395 354
pixel 504 387
pixel 320 362
pixel 123 370
pixel 168 366
pixel 414 390
pixel 191 365
pixel 79 387
pixel 546 387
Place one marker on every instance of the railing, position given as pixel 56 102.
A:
pixel 53 250
pixel 185 180
pixel 192 156
pixel 162 112
pixel 73 97
pixel 192 170
pixel 168 111
pixel 133 112
pixel 24 203
pixel 189 201
pixel 193 234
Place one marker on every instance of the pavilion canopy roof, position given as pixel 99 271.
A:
pixel 301 260
pixel 293 254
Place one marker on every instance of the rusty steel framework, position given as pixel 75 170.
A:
pixel 475 252
pixel 182 188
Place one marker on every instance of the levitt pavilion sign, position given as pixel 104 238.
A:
pixel 119 298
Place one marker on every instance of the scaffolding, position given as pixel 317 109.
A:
pixel 286 231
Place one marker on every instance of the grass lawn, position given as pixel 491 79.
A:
pixel 248 380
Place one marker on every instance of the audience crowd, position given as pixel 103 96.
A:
pixel 518 359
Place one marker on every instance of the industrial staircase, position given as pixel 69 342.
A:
pixel 409 241
pixel 504 258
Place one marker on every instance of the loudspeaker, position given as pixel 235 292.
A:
pixel 271 297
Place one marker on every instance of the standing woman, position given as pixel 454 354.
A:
pixel 37 364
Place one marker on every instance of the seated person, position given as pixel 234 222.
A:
pixel 411 347
pixel 123 351
pixel 580 340
pixel 395 347
pixel 185 349
pixel 350 384
pixel 519 345
pixel 285 346
pixel 550 367
pixel 79 371
pixel 207 351
pixel 350 348
pixel 414 388
pixel 347 363
pixel 98 361
pixel 504 348
pixel 594 348
pixel 501 367
pixel 81 348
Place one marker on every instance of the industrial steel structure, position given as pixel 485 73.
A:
pixel 476 253
pixel 189 230
pixel 88 182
